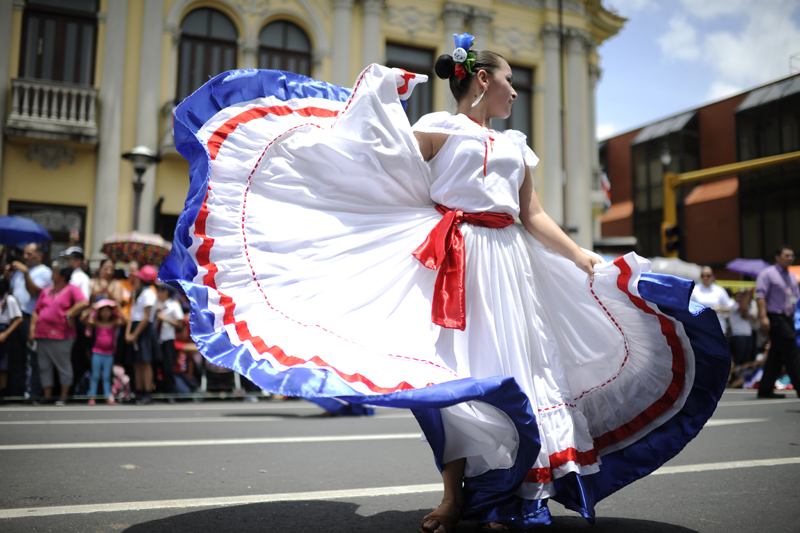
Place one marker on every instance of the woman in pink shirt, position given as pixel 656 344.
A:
pixel 53 328
pixel 105 322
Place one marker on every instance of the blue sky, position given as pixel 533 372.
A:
pixel 674 55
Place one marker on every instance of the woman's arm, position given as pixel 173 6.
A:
pixel 32 330
pixel 10 329
pixel 430 143
pixel 132 336
pixel 544 228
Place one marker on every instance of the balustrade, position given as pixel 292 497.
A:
pixel 41 108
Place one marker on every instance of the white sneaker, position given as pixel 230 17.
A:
pixel 60 403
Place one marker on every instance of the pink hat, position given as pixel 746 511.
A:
pixel 105 302
pixel 147 274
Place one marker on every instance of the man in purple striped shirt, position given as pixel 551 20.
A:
pixel 778 292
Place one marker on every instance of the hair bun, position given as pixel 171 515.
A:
pixel 445 67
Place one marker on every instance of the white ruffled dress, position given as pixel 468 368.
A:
pixel 295 249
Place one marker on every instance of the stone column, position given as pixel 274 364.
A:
pixel 594 156
pixel 579 205
pixel 7 8
pixel 175 33
pixel 109 151
pixel 479 24
pixel 454 17
pixel 342 14
pixel 371 34
pixel 148 108
pixel 249 53
pixel 553 197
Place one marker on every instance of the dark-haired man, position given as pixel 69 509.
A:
pixel 30 276
pixel 778 292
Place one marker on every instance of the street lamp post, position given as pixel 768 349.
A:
pixel 141 157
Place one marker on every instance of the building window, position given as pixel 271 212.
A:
pixel 59 40
pixel 769 210
pixel 418 61
pixel 648 182
pixel 208 47
pixel 58 220
pixel 521 117
pixel 284 46
pixel 769 199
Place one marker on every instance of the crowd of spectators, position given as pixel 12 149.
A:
pixel 761 358
pixel 117 335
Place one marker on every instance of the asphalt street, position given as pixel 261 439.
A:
pixel 230 466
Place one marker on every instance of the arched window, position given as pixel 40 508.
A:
pixel 284 46
pixel 208 47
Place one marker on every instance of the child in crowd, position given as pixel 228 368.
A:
pixel 169 315
pixel 10 319
pixel 106 320
pixel 140 333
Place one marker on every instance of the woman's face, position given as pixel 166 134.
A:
pixel 107 270
pixel 135 282
pixel 707 276
pixel 500 95
pixel 56 277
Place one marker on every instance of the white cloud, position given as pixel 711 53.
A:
pixel 721 89
pixel 715 8
pixel 680 42
pixel 604 131
pixel 756 53
pixel 626 7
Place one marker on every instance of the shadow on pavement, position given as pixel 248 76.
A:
pixel 332 516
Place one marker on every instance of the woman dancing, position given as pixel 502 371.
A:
pixel 330 250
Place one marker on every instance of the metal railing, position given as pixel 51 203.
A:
pixel 61 109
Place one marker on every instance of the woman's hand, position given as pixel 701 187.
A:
pixel 586 262
pixel 130 338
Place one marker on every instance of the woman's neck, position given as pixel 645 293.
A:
pixel 58 285
pixel 477 114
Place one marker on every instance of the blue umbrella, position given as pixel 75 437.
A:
pixel 18 230
pixel 748 267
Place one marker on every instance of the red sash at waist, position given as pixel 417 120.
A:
pixel 444 249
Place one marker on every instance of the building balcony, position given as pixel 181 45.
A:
pixel 44 109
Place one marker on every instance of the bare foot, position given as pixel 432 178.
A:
pixel 496 526
pixel 443 519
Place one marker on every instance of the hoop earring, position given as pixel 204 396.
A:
pixel 478 99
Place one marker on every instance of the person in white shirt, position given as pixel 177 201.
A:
pixel 74 256
pixel 169 315
pixel 29 278
pixel 11 350
pixel 712 295
pixel 140 333
pixel 742 319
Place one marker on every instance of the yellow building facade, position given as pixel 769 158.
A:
pixel 86 81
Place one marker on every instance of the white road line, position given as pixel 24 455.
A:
pixel 249 419
pixel 325 495
pixel 730 465
pixel 203 442
pixel 730 421
pixel 93 421
pixel 755 402
pixel 214 502
pixel 226 406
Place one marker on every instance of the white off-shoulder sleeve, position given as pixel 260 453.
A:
pixel 521 140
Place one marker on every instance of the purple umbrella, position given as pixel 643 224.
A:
pixel 748 267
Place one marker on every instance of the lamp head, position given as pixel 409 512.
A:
pixel 666 156
pixel 142 157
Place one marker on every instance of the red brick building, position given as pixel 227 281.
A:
pixel 744 215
